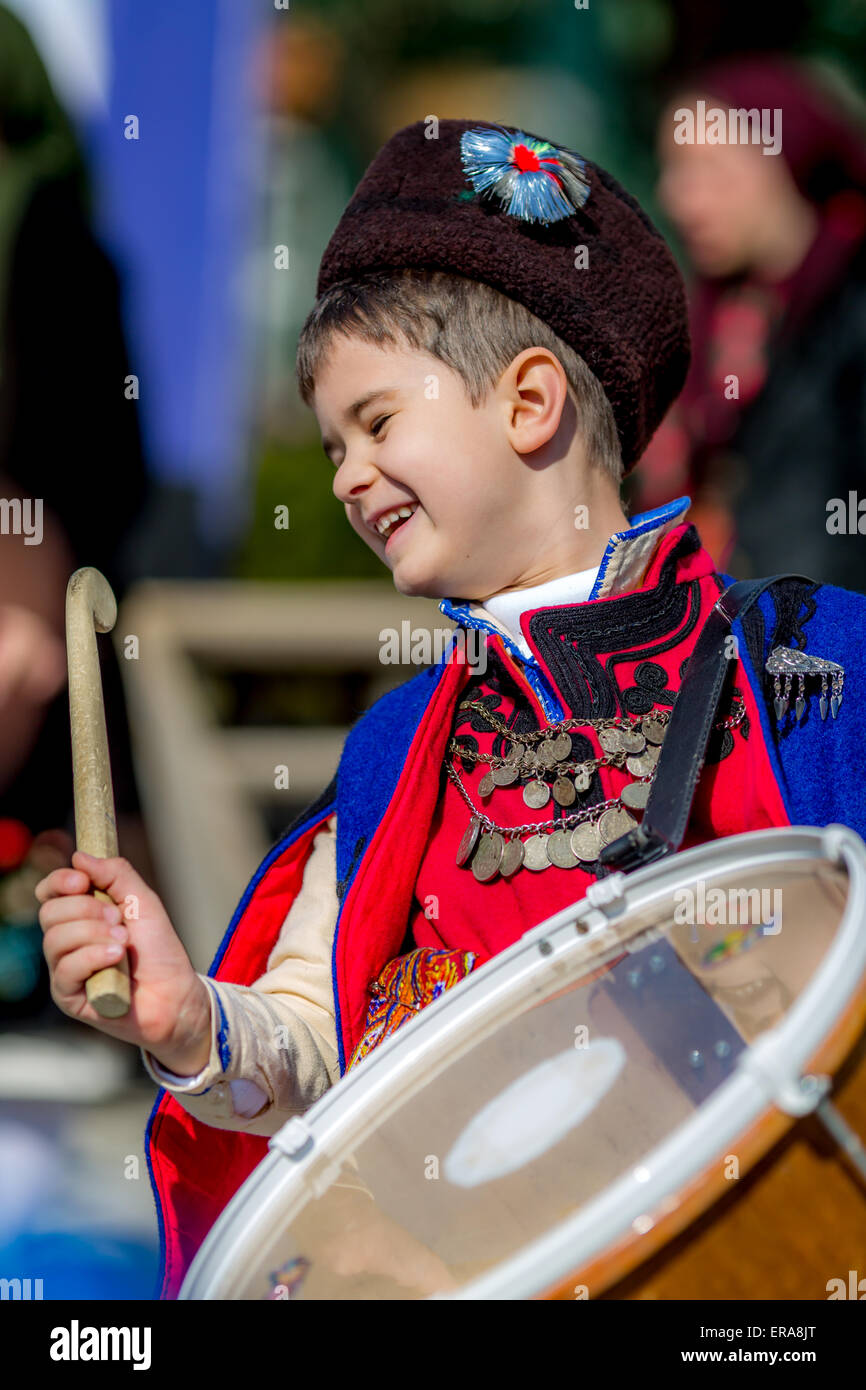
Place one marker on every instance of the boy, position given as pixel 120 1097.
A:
pixel 498 331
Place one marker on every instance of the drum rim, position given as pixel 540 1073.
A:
pixel 330 1130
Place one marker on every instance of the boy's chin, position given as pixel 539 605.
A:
pixel 417 588
pixel 415 584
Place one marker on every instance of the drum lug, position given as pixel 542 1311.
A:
pixel 607 892
pixel 803 1094
pixel 294 1139
pixel 795 1095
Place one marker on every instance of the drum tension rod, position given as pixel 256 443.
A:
pixel 848 1139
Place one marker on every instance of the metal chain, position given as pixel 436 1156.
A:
pixel 591 765
pixel 535 735
pixel 550 730
pixel 512 831
pixel 732 720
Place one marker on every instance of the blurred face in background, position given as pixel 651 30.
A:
pixel 298 69
pixel 735 208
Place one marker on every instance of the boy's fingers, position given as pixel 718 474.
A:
pixel 75 909
pixel 61 882
pixel 76 967
pixel 117 878
pixel 62 940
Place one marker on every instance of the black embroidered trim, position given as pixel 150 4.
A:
pixel 499 680
pixel 467 741
pixel 520 721
pixel 343 883
pixel 568 639
pixel 648 690
pixel 472 717
pixel 789 596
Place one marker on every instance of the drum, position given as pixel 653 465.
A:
pixel 557 1121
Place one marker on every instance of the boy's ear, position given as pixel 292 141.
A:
pixel 534 394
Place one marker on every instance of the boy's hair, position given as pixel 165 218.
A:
pixel 469 326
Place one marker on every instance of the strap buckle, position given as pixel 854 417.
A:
pixel 633 850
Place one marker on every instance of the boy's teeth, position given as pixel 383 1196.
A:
pixel 386 523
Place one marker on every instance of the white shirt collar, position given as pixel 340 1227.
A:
pixel 569 588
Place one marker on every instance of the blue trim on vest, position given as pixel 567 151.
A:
pixel 380 739
pixel 274 853
pixel 553 710
pixel 154 1193
pixel 222 1034
pixel 639 525
pixel 460 614
pixel 643 521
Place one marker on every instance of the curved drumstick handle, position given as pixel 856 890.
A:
pixel 91 608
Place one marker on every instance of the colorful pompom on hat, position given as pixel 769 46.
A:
pixel 511 209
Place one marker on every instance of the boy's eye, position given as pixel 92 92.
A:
pixel 377 424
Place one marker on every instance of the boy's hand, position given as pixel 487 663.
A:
pixel 169 1013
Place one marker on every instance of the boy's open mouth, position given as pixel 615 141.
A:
pixel 389 522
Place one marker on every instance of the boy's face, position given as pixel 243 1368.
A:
pixel 419 443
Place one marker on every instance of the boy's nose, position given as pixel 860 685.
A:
pixel 353 477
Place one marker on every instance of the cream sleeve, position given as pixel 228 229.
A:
pixel 273 1043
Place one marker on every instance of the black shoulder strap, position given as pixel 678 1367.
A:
pixel 670 800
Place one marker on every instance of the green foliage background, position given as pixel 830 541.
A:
pixel 319 542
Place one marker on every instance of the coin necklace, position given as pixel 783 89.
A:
pixel 491 850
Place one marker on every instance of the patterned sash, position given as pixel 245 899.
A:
pixel 406 985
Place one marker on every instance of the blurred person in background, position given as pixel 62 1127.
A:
pixel 71 460
pixel 771 425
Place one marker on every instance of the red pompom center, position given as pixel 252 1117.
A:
pixel 526 159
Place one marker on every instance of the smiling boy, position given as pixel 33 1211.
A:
pixel 498 331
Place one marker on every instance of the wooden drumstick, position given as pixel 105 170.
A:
pixel 90 608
